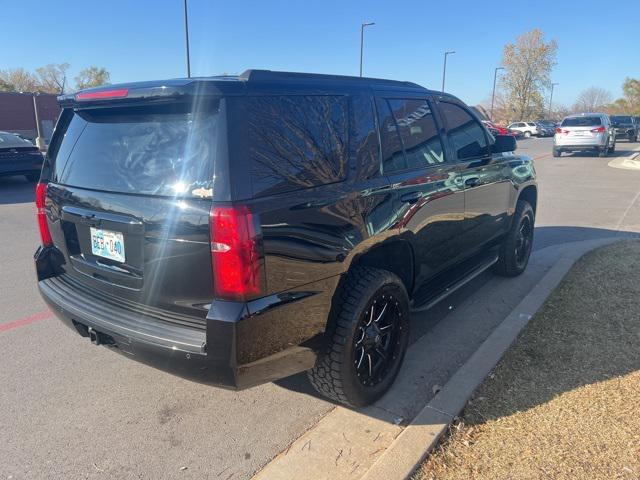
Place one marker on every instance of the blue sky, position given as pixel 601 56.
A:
pixel 144 39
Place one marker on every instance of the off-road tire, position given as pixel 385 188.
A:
pixel 335 373
pixel 508 264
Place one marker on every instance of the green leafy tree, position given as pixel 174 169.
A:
pixel 528 63
pixel 92 77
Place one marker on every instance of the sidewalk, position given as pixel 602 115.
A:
pixel 563 402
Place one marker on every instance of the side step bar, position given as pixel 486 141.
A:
pixel 430 301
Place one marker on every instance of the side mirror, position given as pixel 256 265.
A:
pixel 504 143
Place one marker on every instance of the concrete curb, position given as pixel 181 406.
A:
pixel 411 447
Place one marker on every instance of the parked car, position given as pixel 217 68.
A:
pixel 236 230
pixel 549 123
pixel 625 127
pixel 545 131
pixel 18 156
pixel 496 129
pixel 585 132
pixel 528 129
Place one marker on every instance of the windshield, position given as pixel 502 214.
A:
pixel 155 150
pixel 11 140
pixel 582 122
pixel 620 119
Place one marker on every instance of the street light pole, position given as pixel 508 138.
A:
pixel 551 98
pixel 444 69
pixel 365 24
pixel 493 95
pixel 186 32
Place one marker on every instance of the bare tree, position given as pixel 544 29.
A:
pixel 528 63
pixel 593 99
pixel 92 77
pixel 18 80
pixel 52 78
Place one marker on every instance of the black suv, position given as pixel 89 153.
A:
pixel 237 230
pixel 626 126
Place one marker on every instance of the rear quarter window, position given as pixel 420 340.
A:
pixel 296 142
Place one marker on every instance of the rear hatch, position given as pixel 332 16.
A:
pixel 129 190
pixel 586 129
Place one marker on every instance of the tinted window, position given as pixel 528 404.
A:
pixel 621 119
pixel 582 122
pixel 9 140
pixel 364 138
pixel 418 132
pixel 296 142
pixel 393 159
pixel 409 124
pixel 465 134
pixel 150 150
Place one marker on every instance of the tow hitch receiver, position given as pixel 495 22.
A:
pixel 94 336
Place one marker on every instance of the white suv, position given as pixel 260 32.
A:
pixel 527 128
pixel 587 131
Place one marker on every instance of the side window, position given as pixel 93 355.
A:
pixel 415 126
pixel 364 137
pixel 393 159
pixel 418 132
pixel 296 142
pixel 466 136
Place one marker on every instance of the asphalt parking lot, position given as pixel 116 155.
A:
pixel 72 410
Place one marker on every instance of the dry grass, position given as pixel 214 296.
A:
pixel 564 402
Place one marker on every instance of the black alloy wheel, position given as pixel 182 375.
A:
pixel 377 339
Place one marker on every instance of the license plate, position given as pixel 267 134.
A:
pixel 580 134
pixel 107 244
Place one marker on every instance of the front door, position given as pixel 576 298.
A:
pixel 484 175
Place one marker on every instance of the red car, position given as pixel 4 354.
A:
pixel 499 130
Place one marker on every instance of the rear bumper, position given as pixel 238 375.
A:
pixel 236 349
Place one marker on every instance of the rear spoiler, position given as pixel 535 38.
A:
pixel 169 90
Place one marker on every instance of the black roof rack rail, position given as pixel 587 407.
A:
pixel 270 75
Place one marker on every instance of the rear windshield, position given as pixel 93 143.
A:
pixel 621 119
pixel 582 122
pixel 10 140
pixel 153 150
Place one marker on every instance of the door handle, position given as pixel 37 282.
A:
pixel 472 182
pixel 412 197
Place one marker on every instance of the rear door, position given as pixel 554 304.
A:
pixel 427 187
pixel 130 191
pixel 484 175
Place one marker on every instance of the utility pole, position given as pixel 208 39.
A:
pixel 493 95
pixel 186 32
pixel 551 98
pixel 444 69
pixel 365 24
pixel 39 139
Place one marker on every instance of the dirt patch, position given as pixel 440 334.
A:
pixel 564 402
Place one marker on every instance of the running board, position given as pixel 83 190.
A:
pixel 430 301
